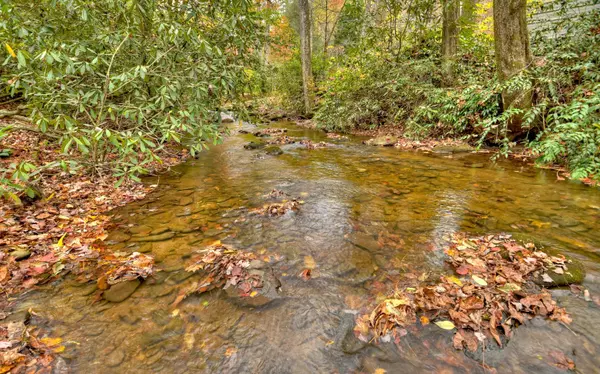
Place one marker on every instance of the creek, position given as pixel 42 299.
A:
pixel 354 197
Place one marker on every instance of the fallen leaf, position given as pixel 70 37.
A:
pixel 446 325
pixel 306 274
pixel 479 281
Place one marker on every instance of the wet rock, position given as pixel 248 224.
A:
pixel 345 339
pixel 154 238
pixel 60 366
pixel 273 150
pixel 121 291
pixel 140 230
pixel 227 118
pixel 382 141
pixel 115 358
pixel 269 292
pixel 20 254
pixel 575 274
pixel 254 145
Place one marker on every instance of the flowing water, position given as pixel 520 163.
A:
pixel 355 196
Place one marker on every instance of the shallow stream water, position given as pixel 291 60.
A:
pixel 354 195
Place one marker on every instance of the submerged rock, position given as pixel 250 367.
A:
pixel 115 358
pixel 121 291
pixel 345 340
pixel 154 238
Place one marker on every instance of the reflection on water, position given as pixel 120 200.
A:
pixel 370 215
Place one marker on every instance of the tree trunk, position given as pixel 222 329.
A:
pixel 450 14
pixel 306 54
pixel 513 55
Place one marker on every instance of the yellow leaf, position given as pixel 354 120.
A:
pixel 303 194
pixel 424 320
pixel 479 281
pixel 50 197
pixel 10 50
pixel 253 293
pixel 59 349
pixel 379 371
pixel 455 280
pixel 50 342
pixel 175 313
pixel 61 243
pixel 446 325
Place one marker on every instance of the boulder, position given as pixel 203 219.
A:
pixel 254 145
pixel 382 141
pixel 227 118
pixel 121 291
pixel 273 150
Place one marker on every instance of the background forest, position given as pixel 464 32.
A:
pixel 113 83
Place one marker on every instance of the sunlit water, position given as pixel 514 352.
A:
pixel 352 194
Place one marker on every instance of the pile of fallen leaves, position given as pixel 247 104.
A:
pixel 223 267
pixel 310 145
pixel 486 298
pixel 278 209
pixel 282 140
pixel 66 225
pixel 24 350
pixel 276 194
pixel 117 268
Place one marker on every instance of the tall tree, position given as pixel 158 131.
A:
pixel 450 15
pixel 513 54
pixel 306 54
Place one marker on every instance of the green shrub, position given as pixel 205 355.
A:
pixel 116 80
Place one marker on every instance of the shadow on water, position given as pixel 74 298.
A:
pixel 355 197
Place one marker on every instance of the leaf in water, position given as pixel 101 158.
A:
pixel 309 262
pixel 479 281
pixel 424 320
pixel 230 351
pixel 379 371
pixel 253 293
pixel 50 342
pixel 446 325
pixel 306 274
pixel 558 270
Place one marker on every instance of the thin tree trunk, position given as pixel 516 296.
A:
pixel 306 54
pixel 450 14
pixel 513 54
